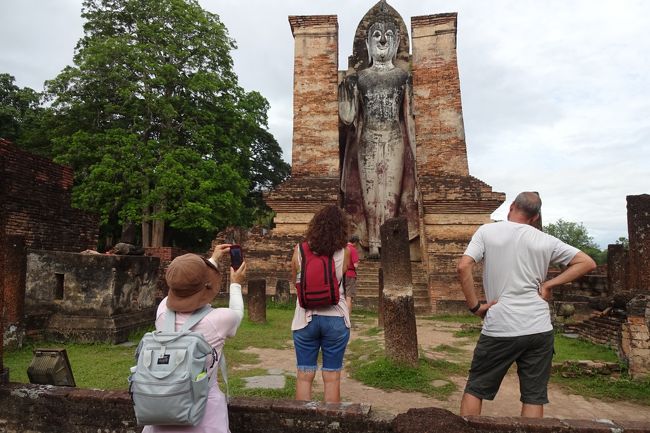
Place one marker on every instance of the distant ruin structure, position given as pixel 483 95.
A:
pixel 35 212
pixel 89 297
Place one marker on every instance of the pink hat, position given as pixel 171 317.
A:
pixel 193 282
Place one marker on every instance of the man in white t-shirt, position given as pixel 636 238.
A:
pixel 517 323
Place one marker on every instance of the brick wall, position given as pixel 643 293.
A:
pixel 46 409
pixel 36 203
pixel 35 212
pixel 166 255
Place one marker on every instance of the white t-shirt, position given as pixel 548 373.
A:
pixel 516 260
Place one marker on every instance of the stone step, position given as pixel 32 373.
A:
pixel 368 282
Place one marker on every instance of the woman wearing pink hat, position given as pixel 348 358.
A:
pixel 194 282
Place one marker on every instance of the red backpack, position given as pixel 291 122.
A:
pixel 318 286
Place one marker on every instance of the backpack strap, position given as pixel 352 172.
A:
pixel 331 270
pixel 196 317
pixel 303 277
pixel 224 374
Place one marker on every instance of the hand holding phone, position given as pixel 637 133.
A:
pixel 236 256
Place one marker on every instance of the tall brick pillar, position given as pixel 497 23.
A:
pixel 454 203
pixel 315 164
pixel 638 226
pixel 3 373
pixel 12 292
pixel 315 149
pixel 436 94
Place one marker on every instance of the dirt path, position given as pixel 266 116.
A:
pixel 432 334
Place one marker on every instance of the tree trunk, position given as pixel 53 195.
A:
pixel 158 227
pixel 146 227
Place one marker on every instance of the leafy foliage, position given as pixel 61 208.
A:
pixel 22 119
pixel 153 121
pixel 576 234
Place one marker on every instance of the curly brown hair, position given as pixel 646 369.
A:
pixel 328 230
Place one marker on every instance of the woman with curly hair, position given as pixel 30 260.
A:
pixel 325 329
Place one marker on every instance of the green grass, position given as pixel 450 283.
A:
pixel 468 333
pixel 372 332
pixel 274 334
pixel 100 366
pixel 615 387
pixel 445 348
pixel 607 388
pixel 567 349
pixel 455 318
pixel 106 366
pixel 368 364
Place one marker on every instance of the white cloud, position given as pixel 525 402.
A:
pixel 556 94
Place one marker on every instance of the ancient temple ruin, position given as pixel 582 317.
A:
pixel 446 204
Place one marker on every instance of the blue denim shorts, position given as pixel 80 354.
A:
pixel 326 333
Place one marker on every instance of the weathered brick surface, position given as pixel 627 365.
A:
pixel 440 134
pixel 635 344
pixel 46 409
pixel 267 255
pixel 35 212
pixel 89 297
pixel 617 268
pixel 166 255
pixel 36 203
pixel 298 199
pixel 638 226
pixel 315 100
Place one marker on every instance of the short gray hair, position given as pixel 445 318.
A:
pixel 529 202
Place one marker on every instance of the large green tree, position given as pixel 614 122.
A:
pixel 576 234
pixel 22 118
pixel 153 121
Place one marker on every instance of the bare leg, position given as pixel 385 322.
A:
pixel 332 383
pixel 470 405
pixel 304 381
pixel 532 410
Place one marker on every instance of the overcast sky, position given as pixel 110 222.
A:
pixel 555 93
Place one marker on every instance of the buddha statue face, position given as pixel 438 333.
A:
pixel 382 42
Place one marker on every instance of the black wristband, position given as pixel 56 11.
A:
pixel 475 309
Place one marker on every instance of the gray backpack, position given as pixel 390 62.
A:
pixel 169 385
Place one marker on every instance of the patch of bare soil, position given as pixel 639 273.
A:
pixel 435 333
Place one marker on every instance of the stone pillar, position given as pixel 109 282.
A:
pixel 635 337
pixel 616 269
pixel 638 226
pixel 13 280
pixel 282 292
pixel 439 130
pixel 400 333
pixel 257 301
pixel 315 149
pixel 380 298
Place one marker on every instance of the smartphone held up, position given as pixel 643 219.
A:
pixel 236 256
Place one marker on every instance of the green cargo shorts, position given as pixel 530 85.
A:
pixel 493 356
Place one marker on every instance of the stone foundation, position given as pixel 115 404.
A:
pixel 89 297
pixel 48 409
